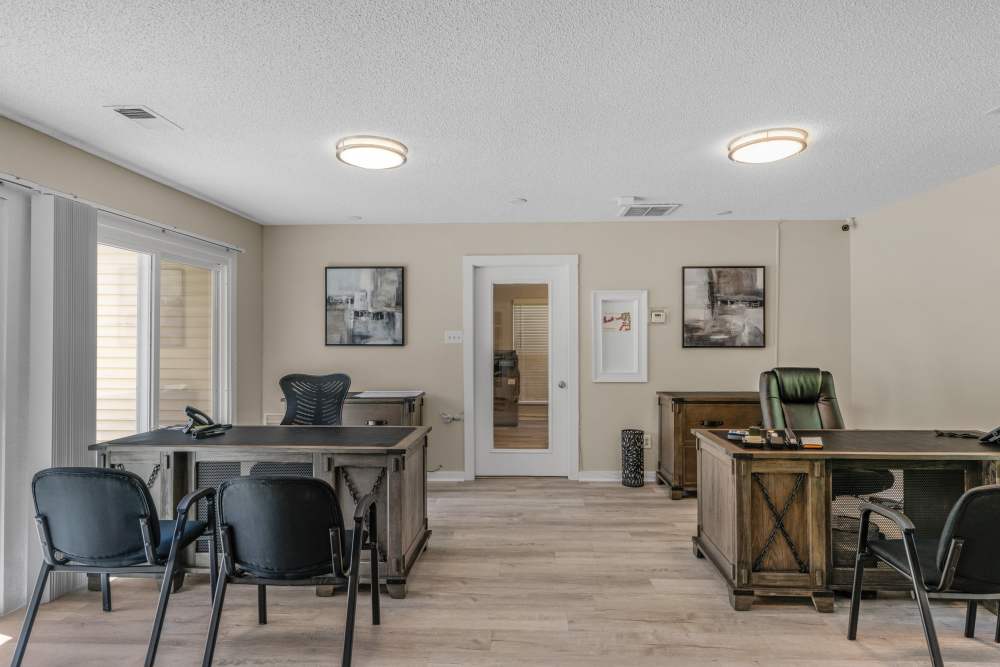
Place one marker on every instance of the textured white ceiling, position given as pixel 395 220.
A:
pixel 567 104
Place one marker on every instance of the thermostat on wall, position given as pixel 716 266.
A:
pixel 657 315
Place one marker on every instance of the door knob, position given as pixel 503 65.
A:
pixel 562 384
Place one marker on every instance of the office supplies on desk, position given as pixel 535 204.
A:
pixel 991 438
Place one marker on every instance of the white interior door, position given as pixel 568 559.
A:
pixel 533 437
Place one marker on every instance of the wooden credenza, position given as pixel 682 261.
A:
pixel 682 411
pixel 359 411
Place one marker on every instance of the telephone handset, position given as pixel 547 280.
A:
pixel 991 438
pixel 201 425
pixel 196 418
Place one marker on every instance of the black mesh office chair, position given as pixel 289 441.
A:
pixel 314 400
pixel 963 563
pixel 281 531
pixel 95 520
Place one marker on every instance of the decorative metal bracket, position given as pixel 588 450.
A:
pixel 352 488
pixel 779 522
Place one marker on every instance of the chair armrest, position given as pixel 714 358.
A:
pixel 184 506
pixel 898 518
pixel 364 505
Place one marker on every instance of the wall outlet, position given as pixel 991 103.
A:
pixel 657 315
pixel 454 337
pixel 647 441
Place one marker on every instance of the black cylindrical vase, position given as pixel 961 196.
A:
pixel 633 463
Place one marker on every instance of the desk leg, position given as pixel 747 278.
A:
pixel 823 601
pixel 741 599
pixel 396 588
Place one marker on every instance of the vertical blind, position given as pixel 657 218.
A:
pixel 531 342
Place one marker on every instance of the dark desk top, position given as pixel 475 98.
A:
pixel 865 444
pixel 354 438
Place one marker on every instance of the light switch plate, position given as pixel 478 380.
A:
pixel 454 337
pixel 657 315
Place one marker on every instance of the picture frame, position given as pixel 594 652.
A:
pixel 364 305
pixel 724 307
pixel 620 337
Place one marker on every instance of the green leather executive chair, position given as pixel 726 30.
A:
pixel 805 398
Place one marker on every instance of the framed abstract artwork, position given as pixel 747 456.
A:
pixel 619 331
pixel 724 306
pixel 364 305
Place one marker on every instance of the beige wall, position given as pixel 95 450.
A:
pixel 813 291
pixel 52 163
pixel 926 326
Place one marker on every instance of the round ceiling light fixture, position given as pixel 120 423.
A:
pixel 768 145
pixel 370 152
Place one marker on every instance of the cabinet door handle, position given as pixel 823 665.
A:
pixel 711 423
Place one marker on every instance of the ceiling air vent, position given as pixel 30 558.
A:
pixel 633 207
pixel 144 116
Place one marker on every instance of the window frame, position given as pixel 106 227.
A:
pixel 156 245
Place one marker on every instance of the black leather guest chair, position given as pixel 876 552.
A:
pixel 963 563
pixel 805 398
pixel 314 400
pixel 95 520
pixel 289 531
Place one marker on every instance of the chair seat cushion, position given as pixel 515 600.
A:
pixel 892 551
pixel 192 531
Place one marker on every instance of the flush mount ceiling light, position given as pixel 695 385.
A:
pixel 371 152
pixel 768 145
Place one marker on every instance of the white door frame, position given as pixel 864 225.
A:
pixel 469 266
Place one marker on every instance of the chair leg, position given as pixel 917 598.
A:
pixel 106 592
pixel 166 586
pixel 213 625
pixel 970 619
pixel 859 575
pixel 920 592
pixel 29 616
pixel 352 596
pixel 213 567
pixel 373 559
pixel 262 604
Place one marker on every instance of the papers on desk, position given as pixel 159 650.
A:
pixel 407 393
pixel 814 442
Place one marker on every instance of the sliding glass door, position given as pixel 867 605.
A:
pixel 163 330
pixel 187 350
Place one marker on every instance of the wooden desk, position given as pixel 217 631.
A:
pixel 766 517
pixel 353 459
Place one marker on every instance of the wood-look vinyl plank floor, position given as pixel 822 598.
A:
pixel 519 572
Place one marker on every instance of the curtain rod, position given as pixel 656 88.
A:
pixel 41 189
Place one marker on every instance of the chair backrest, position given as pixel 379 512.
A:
pixel 279 527
pixel 799 398
pixel 314 400
pixel 973 519
pixel 93 514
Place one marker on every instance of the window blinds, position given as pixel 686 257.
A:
pixel 531 342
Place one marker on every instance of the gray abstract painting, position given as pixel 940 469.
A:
pixel 364 305
pixel 724 306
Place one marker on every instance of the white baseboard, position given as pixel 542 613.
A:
pixel 446 476
pixel 610 476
